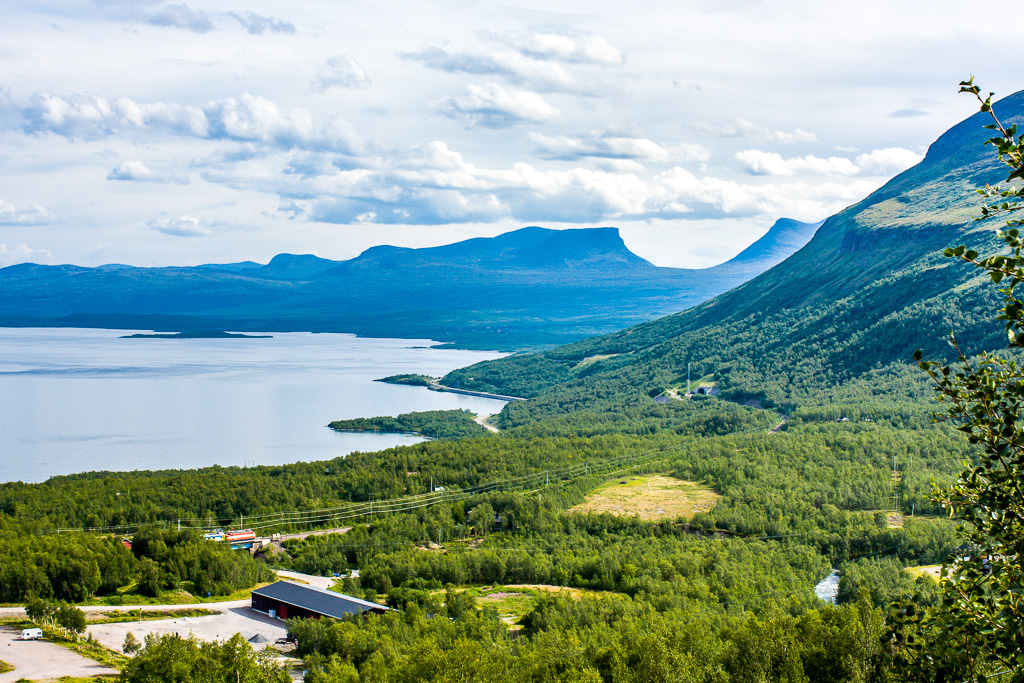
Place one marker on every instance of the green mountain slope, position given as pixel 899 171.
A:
pixel 527 288
pixel 835 322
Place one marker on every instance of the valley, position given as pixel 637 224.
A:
pixel 597 533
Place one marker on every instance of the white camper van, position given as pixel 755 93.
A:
pixel 31 634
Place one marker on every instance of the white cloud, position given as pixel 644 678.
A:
pixel 907 113
pixel 33 215
pixel 180 16
pixel 612 146
pixel 138 171
pixel 423 207
pixel 89 116
pixel 531 59
pixel 495 106
pixel 745 129
pixel 757 162
pixel 185 226
pixel 133 170
pixel 23 254
pixel 248 118
pixel 888 161
pixel 620 165
pixel 257 25
pixel 343 71
pixel 435 185
pixel 681 193
pixel 590 49
pixel 880 162
pixel 513 66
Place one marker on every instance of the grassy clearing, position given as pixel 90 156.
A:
pixel 650 497
pixel 513 602
pixel 931 570
pixel 5 667
pixel 589 360
pixel 512 605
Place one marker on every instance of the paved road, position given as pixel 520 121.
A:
pixel 215 606
pixel 305 534
pixel 38 660
pixel 435 385
pixel 482 421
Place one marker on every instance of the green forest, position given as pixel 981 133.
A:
pixel 436 424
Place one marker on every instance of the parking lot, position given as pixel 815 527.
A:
pixel 38 660
pixel 235 619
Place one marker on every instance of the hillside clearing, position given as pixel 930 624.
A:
pixel 931 570
pixel 514 601
pixel 650 497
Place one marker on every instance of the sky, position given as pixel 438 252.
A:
pixel 161 133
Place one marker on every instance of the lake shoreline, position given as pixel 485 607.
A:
pixel 82 400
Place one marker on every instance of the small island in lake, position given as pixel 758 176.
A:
pixel 410 380
pixel 199 334
pixel 433 424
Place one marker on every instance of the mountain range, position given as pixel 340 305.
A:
pixel 835 323
pixel 527 288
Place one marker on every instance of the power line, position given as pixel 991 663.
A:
pixel 346 511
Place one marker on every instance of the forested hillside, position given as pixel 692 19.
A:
pixel 836 323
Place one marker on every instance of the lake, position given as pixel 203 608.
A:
pixel 80 400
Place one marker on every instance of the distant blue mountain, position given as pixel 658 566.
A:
pixel 784 238
pixel 294 267
pixel 525 288
pixel 232 267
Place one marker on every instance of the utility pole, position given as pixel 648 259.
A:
pixel 687 378
pixel 895 487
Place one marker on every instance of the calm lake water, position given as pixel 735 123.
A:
pixel 77 400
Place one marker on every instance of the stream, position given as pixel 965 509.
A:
pixel 828 588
